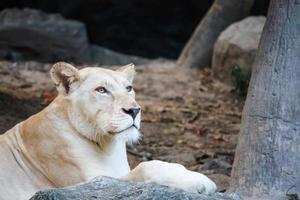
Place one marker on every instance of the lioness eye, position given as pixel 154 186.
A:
pixel 101 90
pixel 129 88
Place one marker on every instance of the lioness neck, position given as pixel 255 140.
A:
pixel 64 156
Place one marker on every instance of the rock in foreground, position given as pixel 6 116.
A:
pixel 109 188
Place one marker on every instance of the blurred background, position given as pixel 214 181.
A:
pixel 191 104
pixel 147 28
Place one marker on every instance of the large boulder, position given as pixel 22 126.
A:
pixel 109 188
pixel 34 35
pixel 235 49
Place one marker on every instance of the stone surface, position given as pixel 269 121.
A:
pixel 106 56
pixel 237 45
pixel 34 35
pixel 217 165
pixel 109 188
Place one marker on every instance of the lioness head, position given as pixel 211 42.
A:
pixel 100 103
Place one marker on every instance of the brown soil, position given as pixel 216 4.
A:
pixel 188 118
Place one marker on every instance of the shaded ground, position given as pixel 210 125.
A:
pixel 188 118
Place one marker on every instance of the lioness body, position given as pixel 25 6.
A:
pixel 35 156
pixel 80 135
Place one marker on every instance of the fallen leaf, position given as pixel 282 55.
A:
pixel 217 138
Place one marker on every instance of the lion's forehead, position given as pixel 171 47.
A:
pixel 93 77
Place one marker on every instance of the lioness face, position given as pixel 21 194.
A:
pixel 100 102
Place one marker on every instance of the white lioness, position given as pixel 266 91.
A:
pixel 83 134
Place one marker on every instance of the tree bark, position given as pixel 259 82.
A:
pixel 198 50
pixel 267 159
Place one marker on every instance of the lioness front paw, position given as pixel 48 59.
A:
pixel 196 182
pixel 177 176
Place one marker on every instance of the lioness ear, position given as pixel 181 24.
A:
pixel 63 75
pixel 128 71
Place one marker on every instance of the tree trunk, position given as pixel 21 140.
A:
pixel 267 159
pixel 198 50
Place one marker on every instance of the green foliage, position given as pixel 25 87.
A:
pixel 240 78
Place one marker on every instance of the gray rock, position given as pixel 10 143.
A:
pixel 34 35
pixel 237 45
pixel 109 188
pixel 30 34
pixel 217 165
pixel 106 56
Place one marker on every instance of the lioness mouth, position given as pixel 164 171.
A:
pixel 114 133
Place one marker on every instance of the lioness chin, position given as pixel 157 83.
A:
pixel 83 134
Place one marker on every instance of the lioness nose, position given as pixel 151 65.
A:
pixel 132 111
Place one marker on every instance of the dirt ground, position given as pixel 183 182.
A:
pixel 188 117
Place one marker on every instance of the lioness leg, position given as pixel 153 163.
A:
pixel 173 175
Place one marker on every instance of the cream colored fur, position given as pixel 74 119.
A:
pixel 83 134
